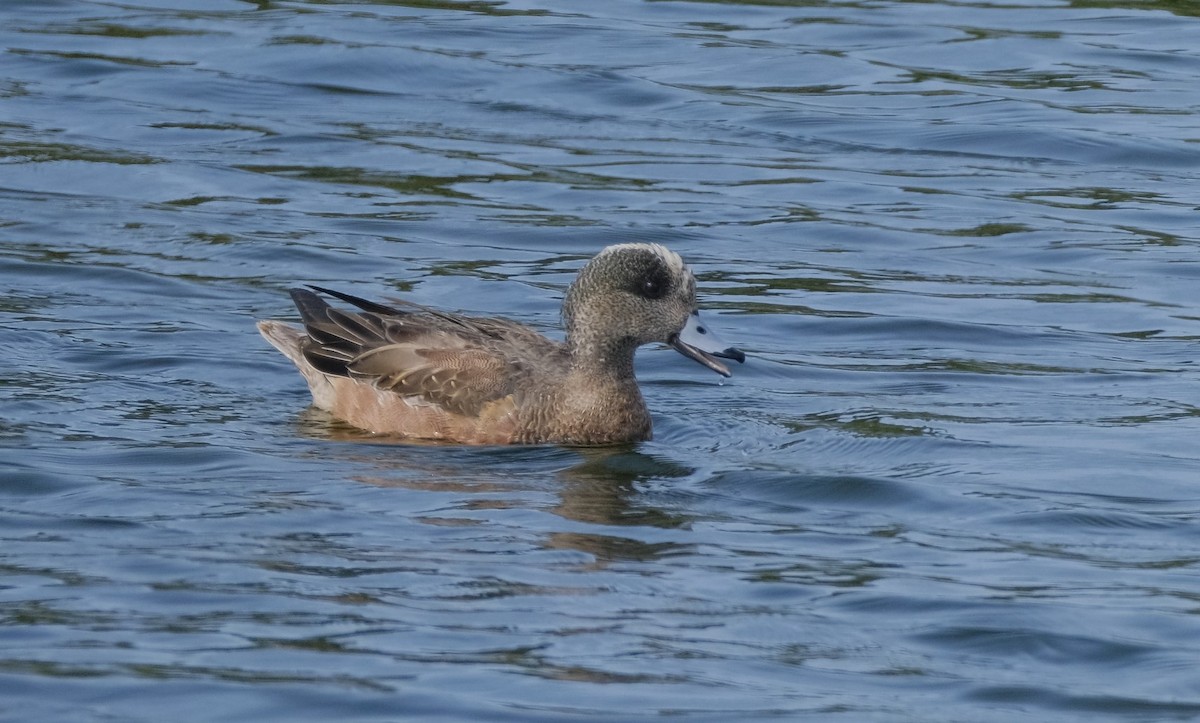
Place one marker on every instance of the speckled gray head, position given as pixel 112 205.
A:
pixel 639 293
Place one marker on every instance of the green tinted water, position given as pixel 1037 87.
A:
pixel 956 480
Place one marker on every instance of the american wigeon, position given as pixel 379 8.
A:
pixel 418 372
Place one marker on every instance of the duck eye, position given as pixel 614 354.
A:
pixel 654 286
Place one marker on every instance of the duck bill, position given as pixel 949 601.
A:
pixel 696 342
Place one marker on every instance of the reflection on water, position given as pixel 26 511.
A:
pixel 600 491
pixel 956 481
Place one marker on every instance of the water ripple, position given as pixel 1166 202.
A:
pixel 954 481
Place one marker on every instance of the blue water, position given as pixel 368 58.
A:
pixel 958 478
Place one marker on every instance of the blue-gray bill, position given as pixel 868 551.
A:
pixel 695 341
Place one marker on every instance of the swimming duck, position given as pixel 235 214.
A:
pixel 405 369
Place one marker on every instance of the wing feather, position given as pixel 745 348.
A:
pixel 460 364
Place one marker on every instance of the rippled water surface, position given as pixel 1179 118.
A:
pixel 957 480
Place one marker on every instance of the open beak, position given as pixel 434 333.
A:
pixel 695 341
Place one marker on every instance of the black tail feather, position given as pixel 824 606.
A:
pixel 311 307
pixel 358 301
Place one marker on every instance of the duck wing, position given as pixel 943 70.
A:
pixel 457 363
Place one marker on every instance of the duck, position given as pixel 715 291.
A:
pixel 406 370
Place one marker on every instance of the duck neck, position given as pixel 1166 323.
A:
pixel 603 396
pixel 611 359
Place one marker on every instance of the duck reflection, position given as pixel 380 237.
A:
pixel 594 486
pixel 602 490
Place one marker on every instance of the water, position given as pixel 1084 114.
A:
pixel 957 480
